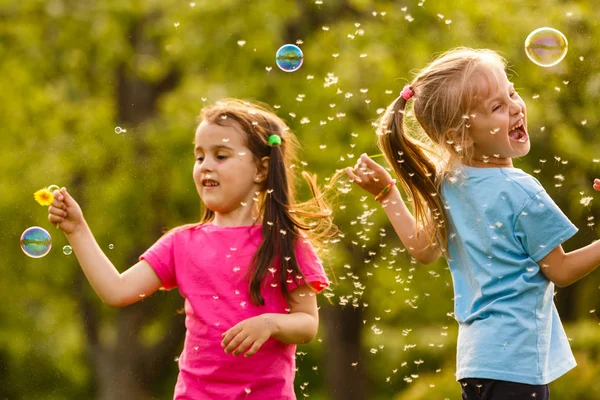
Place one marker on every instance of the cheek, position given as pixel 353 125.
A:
pixel 196 172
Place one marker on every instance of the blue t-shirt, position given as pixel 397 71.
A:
pixel 501 223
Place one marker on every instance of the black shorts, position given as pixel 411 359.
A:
pixel 491 389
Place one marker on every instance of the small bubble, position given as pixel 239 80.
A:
pixel 289 58
pixel 111 246
pixel 67 250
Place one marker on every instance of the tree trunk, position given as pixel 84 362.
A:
pixel 345 376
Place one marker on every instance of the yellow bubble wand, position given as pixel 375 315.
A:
pixel 44 196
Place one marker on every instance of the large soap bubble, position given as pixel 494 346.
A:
pixel 546 47
pixel 36 242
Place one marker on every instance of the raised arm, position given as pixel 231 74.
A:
pixel 414 239
pixel 372 178
pixel 114 288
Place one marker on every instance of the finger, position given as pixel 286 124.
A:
pixel 230 334
pixel 56 210
pixel 67 198
pixel 255 347
pixel 235 342
pixel 57 195
pixel 353 177
pixel 58 202
pixel 243 346
pixel 368 161
pixel 55 220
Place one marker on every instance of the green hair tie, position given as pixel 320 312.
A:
pixel 274 140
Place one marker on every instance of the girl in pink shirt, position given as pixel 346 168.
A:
pixel 247 272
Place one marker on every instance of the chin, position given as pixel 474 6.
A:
pixel 526 151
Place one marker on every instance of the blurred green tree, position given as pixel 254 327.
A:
pixel 73 72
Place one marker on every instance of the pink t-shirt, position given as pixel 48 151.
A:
pixel 208 264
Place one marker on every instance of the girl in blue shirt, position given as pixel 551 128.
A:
pixel 499 230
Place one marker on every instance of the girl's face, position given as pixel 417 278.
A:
pixel 498 126
pixel 226 173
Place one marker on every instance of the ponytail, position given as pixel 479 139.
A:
pixel 281 227
pixel 278 230
pixel 413 164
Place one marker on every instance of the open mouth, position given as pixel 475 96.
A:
pixel 209 183
pixel 518 133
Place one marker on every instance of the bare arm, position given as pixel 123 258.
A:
pixel 565 269
pixel 299 326
pixel 114 288
pixel 415 240
pixel 372 178
pixel 302 323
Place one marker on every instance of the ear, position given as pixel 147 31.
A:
pixel 456 136
pixel 262 169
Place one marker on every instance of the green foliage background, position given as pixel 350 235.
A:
pixel 59 77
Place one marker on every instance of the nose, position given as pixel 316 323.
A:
pixel 206 165
pixel 516 107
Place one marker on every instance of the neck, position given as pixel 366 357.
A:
pixel 243 216
pixel 234 219
pixel 491 162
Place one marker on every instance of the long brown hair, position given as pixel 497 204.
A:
pixel 283 219
pixel 423 155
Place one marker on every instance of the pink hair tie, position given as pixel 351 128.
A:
pixel 407 92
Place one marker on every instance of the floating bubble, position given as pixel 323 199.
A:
pixel 67 250
pixel 546 47
pixel 111 246
pixel 289 58
pixel 36 242
pixel 119 130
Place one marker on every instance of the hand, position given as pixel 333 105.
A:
pixel 369 175
pixel 597 184
pixel 250 333
pixel 64 212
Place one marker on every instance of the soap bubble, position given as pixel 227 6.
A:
pixel 289 58
pixel 67 250
pixel 546 47
pixel 36 242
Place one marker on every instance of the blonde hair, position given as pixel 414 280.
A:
pixel 423 155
